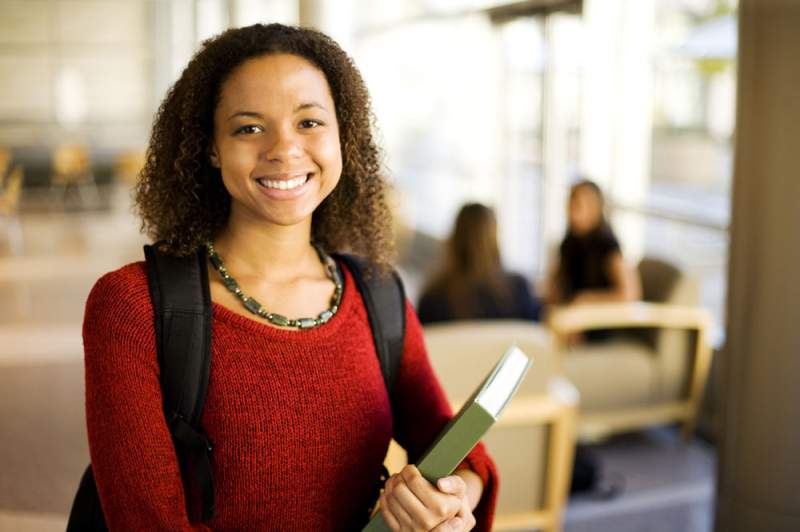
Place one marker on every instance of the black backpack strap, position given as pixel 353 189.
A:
pixel 86 514
pixel 182 306
pixel 385 301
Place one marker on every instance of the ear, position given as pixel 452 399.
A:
pixel 213 157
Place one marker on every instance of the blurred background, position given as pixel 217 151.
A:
pixel 506 103
pixel 474 101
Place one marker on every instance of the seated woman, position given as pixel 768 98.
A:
pixel 473 284
pixel 590 266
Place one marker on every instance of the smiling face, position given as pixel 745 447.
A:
pixel 276 140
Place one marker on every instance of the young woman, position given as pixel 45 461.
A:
pixel 262 153
pixel 590 266
pixel 472 283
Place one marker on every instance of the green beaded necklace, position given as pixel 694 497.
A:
pixel 276 319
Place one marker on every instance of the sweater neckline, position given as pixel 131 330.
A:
pixel 346 307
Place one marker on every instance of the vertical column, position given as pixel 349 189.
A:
pixel 759 475
pixel 617 116
pixel 630 179
pixel 554 137
pixel 599 92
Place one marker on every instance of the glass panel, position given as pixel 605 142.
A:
pixel 435 94
pixel 458 101
pixel 694 65
pixel 520 203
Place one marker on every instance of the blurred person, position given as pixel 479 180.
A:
pixel 590 267
pixel 472 284
pixel 263 155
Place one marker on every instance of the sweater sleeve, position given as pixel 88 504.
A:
pixel 421 411
pixel 133 458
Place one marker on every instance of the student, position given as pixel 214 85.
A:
pixel 590 266
pixel 472 283
pixel 263 152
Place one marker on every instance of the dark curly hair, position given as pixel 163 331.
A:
pixel 180 195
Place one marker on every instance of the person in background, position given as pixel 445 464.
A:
pixel 472 284
pixel 590 266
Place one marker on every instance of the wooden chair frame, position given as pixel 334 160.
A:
pixel 557 411
pixel 568 320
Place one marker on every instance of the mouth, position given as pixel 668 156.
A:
pixel 284 181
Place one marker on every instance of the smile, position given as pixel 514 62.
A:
pixel 284 184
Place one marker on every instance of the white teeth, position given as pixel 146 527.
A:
pixel 282 184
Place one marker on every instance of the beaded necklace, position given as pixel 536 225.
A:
pixel 277 319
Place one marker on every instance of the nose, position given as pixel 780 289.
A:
pixel 283 145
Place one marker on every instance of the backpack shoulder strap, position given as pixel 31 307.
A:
pixel 182 307
pixel 384 298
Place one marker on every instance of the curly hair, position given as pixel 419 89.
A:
pixel 180 196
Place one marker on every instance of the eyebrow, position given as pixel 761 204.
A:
pixel 301 107
pixel 308 105
pixel 245 113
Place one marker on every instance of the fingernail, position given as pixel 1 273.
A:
pixel 446 484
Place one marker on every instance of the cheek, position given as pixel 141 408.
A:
pixel 574 213
pixel 236 156
pixel 237 162
pixel 331 157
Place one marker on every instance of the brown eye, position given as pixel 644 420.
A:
pixel 248 129
pixel 308 124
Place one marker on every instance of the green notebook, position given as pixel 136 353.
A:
pixel 467 427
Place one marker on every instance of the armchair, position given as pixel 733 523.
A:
pixel 655 373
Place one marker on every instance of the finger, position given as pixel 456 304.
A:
pixel 466 514
pixel 388 516
pixel 396 496
pixel 440 505
pixel 464 520
pixel 389 500
pixel 450 525
pixel 419 516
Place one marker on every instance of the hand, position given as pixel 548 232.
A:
pixel 410 503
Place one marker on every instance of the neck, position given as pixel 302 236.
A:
pixel 271 252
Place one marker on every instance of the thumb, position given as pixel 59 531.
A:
pixel 454 485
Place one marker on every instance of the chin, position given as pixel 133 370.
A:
pixel 287 219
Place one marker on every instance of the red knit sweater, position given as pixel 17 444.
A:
pixel 300 421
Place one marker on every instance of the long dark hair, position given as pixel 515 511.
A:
pixel 180 196
pixel 573 247
pixel 472 262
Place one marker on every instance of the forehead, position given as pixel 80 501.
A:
pixel 584 193
pixel 274 80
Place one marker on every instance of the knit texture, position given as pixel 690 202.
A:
pixel 299 421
